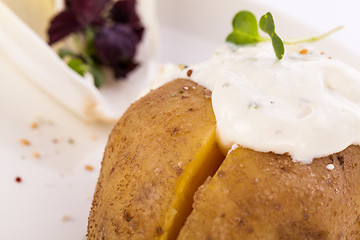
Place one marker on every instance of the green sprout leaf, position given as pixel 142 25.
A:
pixel 278 46
pixel 66 53
pixel 97 74
pixel 82 64
pixel 89 42
pixel 95 70
pixel 245 29
pixel 77 65
pixel 267 25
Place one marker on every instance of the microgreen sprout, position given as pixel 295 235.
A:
pixel 245 31
pixel 267 25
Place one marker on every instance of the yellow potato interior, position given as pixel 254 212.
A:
pixel 205 164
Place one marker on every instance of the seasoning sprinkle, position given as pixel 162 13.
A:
pixel 24 141
pixel 89 168
pixel 189 72
pixel 182 66
pixel 65 218
pixel 18 179
pixel 36 154
pixel 303 51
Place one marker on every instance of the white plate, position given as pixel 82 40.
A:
pixel 54 197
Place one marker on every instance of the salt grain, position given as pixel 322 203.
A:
pixel 330 167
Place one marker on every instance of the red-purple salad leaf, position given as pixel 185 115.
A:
pixel 88 11
pixel 124 11
pixel 63 25
pixel 109 35
pixel 76 17
pixel 116 47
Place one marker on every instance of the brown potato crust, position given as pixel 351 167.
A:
pixel 147 152
pixel 268 196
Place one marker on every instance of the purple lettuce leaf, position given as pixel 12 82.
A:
pixel 124 11
pixel 88 11
pixel 116 47
pixel 63 25
pixel 76 17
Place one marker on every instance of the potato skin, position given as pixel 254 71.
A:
pixel 268 196
pixel 157 137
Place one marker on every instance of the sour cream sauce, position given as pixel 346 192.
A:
pixel 306 105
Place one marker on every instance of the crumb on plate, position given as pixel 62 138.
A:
pixel 36 154
pixel 65 218
pixel 34 125
pixel 303 51
pixel 18 179
pixel 89 168
pixel 24 141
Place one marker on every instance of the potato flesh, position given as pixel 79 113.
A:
pixel 207 161
pixel 153 164
pixel 267 196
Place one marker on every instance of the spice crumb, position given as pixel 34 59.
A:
pixel 182 66
pixel 36 154
pixel 25 142
pixel 55 140
pixel 34 125
pixel 18 179
pixel 89 168
pixel 189 72
pixel 303 51
pixel 65 218
pixel 71 141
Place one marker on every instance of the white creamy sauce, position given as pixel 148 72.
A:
pixel 306 105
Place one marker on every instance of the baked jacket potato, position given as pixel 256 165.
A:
pixel 163 177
